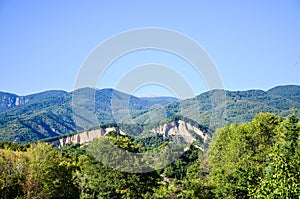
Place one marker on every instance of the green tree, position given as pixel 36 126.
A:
pixel 282 175
pixel 99 180
pixel 49 175
pixel 13 165
pixel 237 155
pixel 197 184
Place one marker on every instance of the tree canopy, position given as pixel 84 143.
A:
pixel 256 159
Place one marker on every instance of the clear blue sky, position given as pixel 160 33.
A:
pixel 254 43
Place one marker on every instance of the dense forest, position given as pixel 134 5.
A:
pixel 256 159
pixel 55 113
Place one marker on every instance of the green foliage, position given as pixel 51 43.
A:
pixel 50 113
pixel 178 169
pixel 291 92
pixel 74 171
pixel 49 174
pixel 14 146
pixel 132 129
pixel 101 181
pixel 39 172
pixel 12 173
pixel 195 183
pixel 282 175
pixel 256 159
pixel 210 110
pixel 151 142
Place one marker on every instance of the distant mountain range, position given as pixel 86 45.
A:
pixel 54 113
pixel 216 108
pixel 51 113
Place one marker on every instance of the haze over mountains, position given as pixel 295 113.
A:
pixel 51 113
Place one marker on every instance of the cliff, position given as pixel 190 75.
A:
pixel 180 127
pixel 8 101
pixel 84 137
pixel 173 128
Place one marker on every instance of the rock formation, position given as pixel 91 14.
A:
pixel 84 137
pixel 173 128
pixel 180 127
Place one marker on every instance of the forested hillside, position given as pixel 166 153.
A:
pixel 217 108
pixel 9 100
pixel 51 113
pixel 256 159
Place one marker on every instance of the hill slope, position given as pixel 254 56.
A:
pixel 217 107
pixel 54 113
pixel 9 100
pixel 291 92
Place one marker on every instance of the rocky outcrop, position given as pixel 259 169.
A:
pixel 84 137
pixel 173 128
pixel 8 101
pixel 180 127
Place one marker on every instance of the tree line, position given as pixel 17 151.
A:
pixel 257 159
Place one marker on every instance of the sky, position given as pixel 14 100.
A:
pixel 254 44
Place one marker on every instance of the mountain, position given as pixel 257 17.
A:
pixel 291 92
pixel 54 113
pixel 216 108
pixel 9 100
pixel 162 100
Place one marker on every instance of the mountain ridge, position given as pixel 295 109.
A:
pixel 51 113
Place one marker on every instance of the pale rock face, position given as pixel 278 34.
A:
pixel 84 137
pixel 20 101
pixel 179 127
pixel 17 101
pixel 172 128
